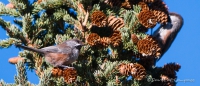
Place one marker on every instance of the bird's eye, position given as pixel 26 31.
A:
pixel 77 41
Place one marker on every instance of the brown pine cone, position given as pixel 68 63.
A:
pixel 14 60
pixel 70 75
pixel 147 18
pixel 126 4
pixel 105 41
pixel 172 66
pixel 159 5
pixel 123 69
pixel 116 38
pixel 134 69
pixel 149 47
pixel 39 1
pixel 134 38
pixel 161 16
pixel 99 19
pixel 57 72
pixel 143 5
pixel 115 23
pixel 160 10
pixel 170 70
pixel 93 39
pixel 138 71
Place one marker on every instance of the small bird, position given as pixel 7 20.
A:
pixel 60 55
pixel 166 34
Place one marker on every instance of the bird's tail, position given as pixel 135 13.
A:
pixel 30 49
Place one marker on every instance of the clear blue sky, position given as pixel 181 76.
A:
pixel 185 50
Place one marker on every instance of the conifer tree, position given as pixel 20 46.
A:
pixel 118 50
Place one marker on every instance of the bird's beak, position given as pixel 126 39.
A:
pixel 83 44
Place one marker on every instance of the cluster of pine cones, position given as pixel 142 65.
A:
pixel 136 70
pixel 69 74
pixel 153 11
pixel 105 30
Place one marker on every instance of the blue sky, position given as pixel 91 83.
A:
pixel 185 50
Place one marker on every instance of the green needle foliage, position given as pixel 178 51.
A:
pixel 48 22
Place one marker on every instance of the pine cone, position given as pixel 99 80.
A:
pixel 105 41
pixel 116 38
pixel 172 66
pixel 39 1
pixel 159 5
pixel 98 18
pixel 170 70
pixel 115 23
pixel 143 6
pixel 134 69
pixel 126 5
pixel 166 81
pixel 160 10
pixel 149 47
pixel 10 5
pixel 134 38
pixel 123 69
pixel 147 18
pixel 70 75
pixel 14 60
pixel 57 72
pixel 93 39
pixel 138 71
pixel 161 16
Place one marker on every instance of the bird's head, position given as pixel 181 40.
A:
pixel 75 43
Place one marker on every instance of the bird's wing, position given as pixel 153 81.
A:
pixel 63 48
pixel 51 49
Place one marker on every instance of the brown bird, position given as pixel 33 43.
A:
pixel 166 34
pixel 60 55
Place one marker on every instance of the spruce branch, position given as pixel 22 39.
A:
pixel 129 18
pixel 8 42
pixel 18 22
pixel 59 13
pixel 21 77
pixel 12 30
pixel 26 25
pixel 23 6
pixel 20 6
pixel 50 4
pixel 45 78
pixel 36 8
pixel 101 61
pixel 69 19
pixel 7 11
pixel 4 24
pixel 3 83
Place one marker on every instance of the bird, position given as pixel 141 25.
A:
pixel 166 33
pixel 59 55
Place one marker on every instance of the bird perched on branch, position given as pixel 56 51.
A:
pixel 60 55
pixel 166 34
